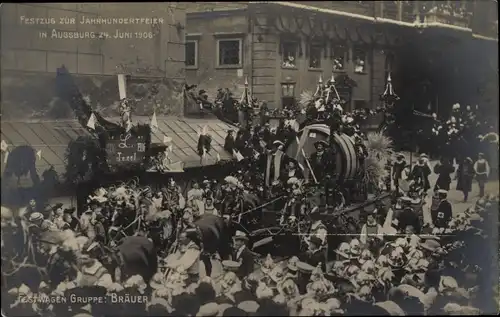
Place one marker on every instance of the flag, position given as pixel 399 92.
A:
pixel 176 167
pixel 91 122
pixel 237 155
pixel 301 167
pixel 39 154
pixel 166 139
pixel 122 86
pixel 421 114
pixel 4 146
pixel 246 98
pixel 154 122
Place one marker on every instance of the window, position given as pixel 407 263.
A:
pixel 359 58
pixel 288 90
pixel 315 56
pixel 191 54
pixel 229 52
pixel 289 56
pixel 339 53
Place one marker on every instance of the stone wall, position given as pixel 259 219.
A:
pixel 206 30
pixel 32 52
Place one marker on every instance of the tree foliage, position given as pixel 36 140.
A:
pixel 21 161
pixel 84 157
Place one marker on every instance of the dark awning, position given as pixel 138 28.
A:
pixel 53 137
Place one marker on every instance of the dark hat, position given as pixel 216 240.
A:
pixel 316 240
pixel 202 91
pixel 69 210
pixel 317 143
pixel 57 206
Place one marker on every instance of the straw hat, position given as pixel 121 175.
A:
pixel 343 250
pixel 36 216
pixel 430 245
pixel 231 266
pixel 240 235
pixel 209 310
pixel 277 274
pixel 249 306
pixel 305 267
pixel 391 308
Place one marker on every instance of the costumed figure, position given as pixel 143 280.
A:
pixel 274 163
pixel 320 161
pixel 444 168
pixel 420 174
pixel 465 175
pixel 361 150
pixel 482 170
pixel 318 247
pixel 443 214
pixel 371 231
pixel 397 170
pixel 188 259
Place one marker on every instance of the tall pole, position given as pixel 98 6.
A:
pixel 412 136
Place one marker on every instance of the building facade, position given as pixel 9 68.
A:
pixel 284 47
pixel 39 38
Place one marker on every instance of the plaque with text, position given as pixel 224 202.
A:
pixel 125 148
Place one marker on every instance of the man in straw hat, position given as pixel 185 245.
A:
pixel 242 254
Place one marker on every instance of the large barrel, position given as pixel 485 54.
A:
pixel 347 162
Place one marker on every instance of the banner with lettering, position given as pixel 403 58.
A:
pixel 125 148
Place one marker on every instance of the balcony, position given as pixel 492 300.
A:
pixel 449 13
pixel 356 7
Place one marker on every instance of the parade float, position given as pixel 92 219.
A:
pixel 358 171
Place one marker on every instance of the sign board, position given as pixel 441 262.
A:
pixel 125 148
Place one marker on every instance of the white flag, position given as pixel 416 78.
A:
pixel 237 155
pixel 176 167
pixel 166 139
pixel 91 122
pixel 154 122
pixel 122 86
pixel 39 154
pixel 4 146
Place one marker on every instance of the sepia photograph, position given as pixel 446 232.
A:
pixel 261 158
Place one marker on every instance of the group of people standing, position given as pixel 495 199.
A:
pixel 467 171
